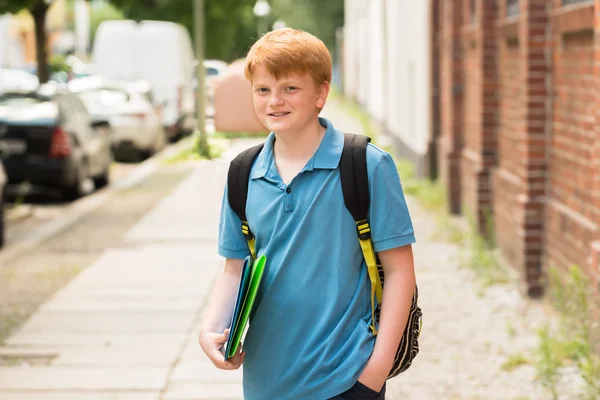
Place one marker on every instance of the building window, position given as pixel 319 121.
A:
pixel 567 2
pixel 473 11
pixel 512 8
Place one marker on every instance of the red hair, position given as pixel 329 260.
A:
pixel 287 51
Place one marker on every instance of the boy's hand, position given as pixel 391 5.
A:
pixel 212 343
pixel 373 376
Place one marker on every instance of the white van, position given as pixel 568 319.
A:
pixel 155 51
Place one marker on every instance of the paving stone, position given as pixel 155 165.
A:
pixel 203 391
pixel 203 371
pixel 77 323
pixel 80 395
pixel 121 340
pixel 73 378
pixel 121 306
pixel 133 355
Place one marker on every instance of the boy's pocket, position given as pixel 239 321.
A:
pixel 361 392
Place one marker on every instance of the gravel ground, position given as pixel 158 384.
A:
pixel 468 332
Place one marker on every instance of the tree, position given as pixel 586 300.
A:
pixel 38 10
pixel 102 13
pixel 230 25
pixel 319 17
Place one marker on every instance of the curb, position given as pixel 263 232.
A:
pixel 81 207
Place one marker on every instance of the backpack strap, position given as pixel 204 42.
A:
pixel 237 189
pixel 355 187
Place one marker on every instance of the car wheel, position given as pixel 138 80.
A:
pixel 78 189
pixel 2 223
pixel 102 180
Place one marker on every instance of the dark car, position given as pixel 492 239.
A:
pixel 52 141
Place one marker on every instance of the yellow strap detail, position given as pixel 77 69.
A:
pixel 252 246
pixel 251 242
pixel 376 289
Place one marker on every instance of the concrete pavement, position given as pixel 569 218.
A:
pixel 125 327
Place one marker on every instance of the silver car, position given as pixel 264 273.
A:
pixel 136 125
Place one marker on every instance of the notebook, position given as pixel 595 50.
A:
pixel 252 272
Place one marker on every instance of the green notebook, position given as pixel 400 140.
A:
pixel 252 273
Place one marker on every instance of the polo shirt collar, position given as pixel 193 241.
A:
pixel 327 155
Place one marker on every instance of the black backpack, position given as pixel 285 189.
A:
pixel 355 187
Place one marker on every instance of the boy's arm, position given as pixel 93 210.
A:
pixel 398 267
pixel 215 326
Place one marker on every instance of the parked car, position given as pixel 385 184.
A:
pixel 136 126
pixel 52 141
pixel 3 181
pixel 155 51
pixel 15 80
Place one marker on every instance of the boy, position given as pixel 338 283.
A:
pixel 309 336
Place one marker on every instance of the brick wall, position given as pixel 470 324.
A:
pixel 434 54
pixel 520 179
pixel 481 108
pixel 451 98
pixel 527 128
pixel 507 180
pixel 595 247
pixel 571 211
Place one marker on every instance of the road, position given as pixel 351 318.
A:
pixel 29 207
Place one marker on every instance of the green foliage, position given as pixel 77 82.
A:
pixel 514 361
pixel 321 18
pixel 102 12
pixel 38 9
pixel 231 29
pixel 14 6
pixel 549 361
pixel 230 26
pixel 573 342
pixel 239 135
pixel 188 150
pixel 480 255
pixel 58 63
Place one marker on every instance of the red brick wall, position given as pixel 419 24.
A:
pixel 481 109
pixel 520 179
pixel 571 211
pixel 507 180
pixel 520 102
pixel 595 247
pixel 434 76
pixel 451 99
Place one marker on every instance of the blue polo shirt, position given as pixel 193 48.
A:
pixel 309 335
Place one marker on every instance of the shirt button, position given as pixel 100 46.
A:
pixel 288 190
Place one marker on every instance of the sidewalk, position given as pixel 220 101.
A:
pixel 126 327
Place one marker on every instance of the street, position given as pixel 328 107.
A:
pixel 37 205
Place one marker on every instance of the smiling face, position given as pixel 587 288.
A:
pixel 290 104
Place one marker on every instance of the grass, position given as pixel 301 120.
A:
pixel 514 361
pixel 238 135
pixel 189 150
pixel 572 342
